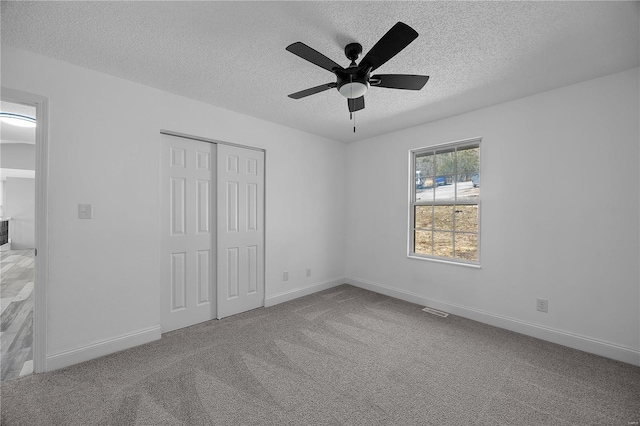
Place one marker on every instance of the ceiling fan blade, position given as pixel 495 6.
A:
pixel 396 39
pixel 356 104
pixel 312 91
pixel 399 81
pixel 313 56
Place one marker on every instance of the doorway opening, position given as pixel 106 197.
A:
pixel 24 145
pixel 17 249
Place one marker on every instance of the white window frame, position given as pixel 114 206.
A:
pixel 412 202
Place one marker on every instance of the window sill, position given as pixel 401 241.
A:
pixel 450 262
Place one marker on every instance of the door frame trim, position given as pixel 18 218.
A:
pixel 40 285
pixel 198 138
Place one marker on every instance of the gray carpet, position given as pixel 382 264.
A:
pixel 345 356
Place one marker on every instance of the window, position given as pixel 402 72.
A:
pixel 445 202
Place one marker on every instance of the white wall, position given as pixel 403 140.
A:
pixel 19 205
pixel 560 211
pixel 104 150
pixel 18 156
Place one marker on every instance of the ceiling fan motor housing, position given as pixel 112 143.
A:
pixel 352 51
pixel 352 84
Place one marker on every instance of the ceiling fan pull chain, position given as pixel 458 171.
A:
pixel 351 99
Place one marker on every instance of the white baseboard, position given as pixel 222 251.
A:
pixel 575 341
pixel 109 346
pixel 285 296
pixel 105 347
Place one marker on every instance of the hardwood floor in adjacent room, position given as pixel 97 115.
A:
pixel 16 319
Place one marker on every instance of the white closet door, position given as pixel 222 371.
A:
pixel 187 234
pixel 240 233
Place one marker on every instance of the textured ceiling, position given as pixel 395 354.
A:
pixel 232 54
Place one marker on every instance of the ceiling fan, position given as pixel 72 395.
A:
pixel 354 81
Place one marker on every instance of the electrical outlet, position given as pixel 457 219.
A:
pixel 308 272
pixel 85 211
pixel 285 276
pixel 542 305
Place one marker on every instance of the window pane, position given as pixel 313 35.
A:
pixel 423 217
pixel 424 170
pixel 468 161
pixel 466 190
pixel 423 193
pixel 443 244
pixel 424 165
pixel 467 246
pixel 445 187
pixel 443 218
pixel 466 218
pixel 422 242
pixel 445 162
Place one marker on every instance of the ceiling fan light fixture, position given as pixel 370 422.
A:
pixel 17 119
pixel 353 89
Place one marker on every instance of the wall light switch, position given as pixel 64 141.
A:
pixel 542 305
pixel 285 276
pixel 85 211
